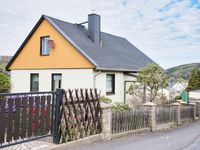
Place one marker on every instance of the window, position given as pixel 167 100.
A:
pixel 110 84
pixel 34 82
pixel 44 48
pixel 56 81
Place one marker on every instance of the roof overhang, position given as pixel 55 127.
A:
pixel 194 89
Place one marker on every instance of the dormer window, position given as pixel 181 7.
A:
pixel 44 48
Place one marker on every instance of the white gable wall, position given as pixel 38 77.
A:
pixel 71 78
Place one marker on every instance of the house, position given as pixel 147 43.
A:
pixel 194 94
pixel 59 54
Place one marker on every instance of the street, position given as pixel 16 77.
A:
pixel 186 137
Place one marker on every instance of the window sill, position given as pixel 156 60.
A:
pixel 44 54
pixel 110 93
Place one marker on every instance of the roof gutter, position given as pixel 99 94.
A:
pixel 116 69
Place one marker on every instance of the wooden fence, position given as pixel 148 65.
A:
pixel 24 116
pixel 123 121
pixel 80 111
pixel 186 112
pixel 165 115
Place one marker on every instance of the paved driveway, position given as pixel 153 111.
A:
pixel 186 137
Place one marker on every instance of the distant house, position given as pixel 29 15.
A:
pixel 59 54
pixel 176 88
pixel 179 86
pixel 5 59
pixel 194 94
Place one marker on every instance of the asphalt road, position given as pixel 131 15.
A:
pixel 186 137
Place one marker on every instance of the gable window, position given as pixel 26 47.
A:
pixel 110 84
pixel 56 81
pixel 34 80
pixel 44 48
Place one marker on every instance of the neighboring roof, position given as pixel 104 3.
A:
pixel 117 53
pixel 194 89
pixel 3 71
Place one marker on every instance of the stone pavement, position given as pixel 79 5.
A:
pixel 31 145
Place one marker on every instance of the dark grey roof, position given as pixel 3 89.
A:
pixel 117 53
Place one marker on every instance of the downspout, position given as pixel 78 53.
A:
pixel 94 79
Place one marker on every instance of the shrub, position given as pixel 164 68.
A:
pixel 105 99
pixel 4 82
pixel 115 106
pixel 173 101
pixel 120 107
pixel 178 97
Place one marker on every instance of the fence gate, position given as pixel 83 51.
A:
pixel 77 114
pixel 25 116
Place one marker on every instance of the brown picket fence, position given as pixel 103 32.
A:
pixel 123 121
pixel 186 112
pixel 165 115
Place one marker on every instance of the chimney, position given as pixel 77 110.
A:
pixel 94 28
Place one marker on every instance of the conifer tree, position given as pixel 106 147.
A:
pixel 198 78
pixel 194 80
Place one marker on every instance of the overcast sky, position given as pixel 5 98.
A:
pixel 168 31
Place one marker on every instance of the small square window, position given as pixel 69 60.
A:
pixel 110 84
pixel 44 48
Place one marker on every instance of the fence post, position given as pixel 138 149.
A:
pixel 193 105
pixel 105 120
pixel 151 111
pixel 57 116
pixel 177 109
pixel 197 108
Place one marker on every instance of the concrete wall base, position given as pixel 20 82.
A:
pixel 138 131
pixel 86 140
